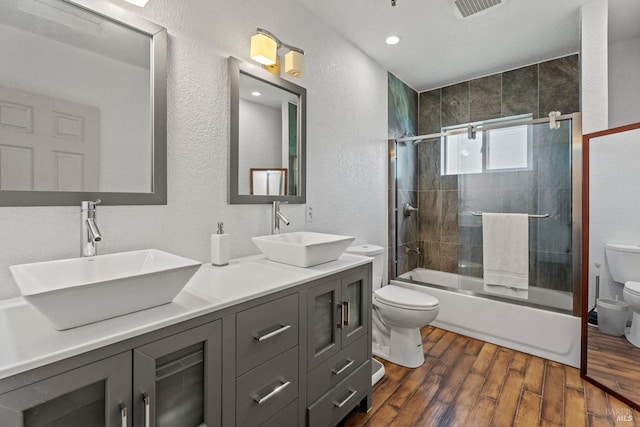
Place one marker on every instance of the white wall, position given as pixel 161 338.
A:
pixel 346 138
pixel 594 67
pixel 614 201
pixel 624 84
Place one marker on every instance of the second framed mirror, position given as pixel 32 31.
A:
pixel 268 135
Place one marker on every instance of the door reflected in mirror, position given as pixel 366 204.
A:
pixel 268 122
pixel 268 182
pixel 611 255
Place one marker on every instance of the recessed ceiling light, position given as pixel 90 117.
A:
pixel 139 3
pixel 256 93
pixel 391 40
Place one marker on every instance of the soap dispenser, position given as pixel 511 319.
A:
pixel 220 247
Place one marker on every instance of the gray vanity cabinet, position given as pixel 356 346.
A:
pixel 171 382
pixel 339 348
pixel 295 357
pixel 97 394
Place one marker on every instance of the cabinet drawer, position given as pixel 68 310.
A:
pixel 265 390
pixel 265 331
pixel 336 368
pixel 337 403
pixel 287 417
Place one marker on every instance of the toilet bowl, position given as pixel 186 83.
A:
pixel 631 295
pixel 624 265
pixel 398 314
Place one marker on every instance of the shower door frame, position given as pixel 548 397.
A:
pixel 576 192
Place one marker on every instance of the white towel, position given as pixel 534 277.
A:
pixel 505 242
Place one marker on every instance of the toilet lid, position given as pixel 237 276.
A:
pixel 633 287
pixel 405 298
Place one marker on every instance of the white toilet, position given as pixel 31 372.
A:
pixel 624 264
pixel 398 315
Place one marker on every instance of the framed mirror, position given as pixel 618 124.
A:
pixel 82 104
pixel 268 133
pixel 611 262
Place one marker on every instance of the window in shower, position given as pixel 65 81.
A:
pixel 499 149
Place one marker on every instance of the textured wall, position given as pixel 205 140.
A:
pixel 624 86
pixel 346 137
pixel 594 58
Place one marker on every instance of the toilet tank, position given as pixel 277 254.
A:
pixel 623 261
pixel 377 253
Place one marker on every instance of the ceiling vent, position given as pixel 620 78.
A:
pixel 467 8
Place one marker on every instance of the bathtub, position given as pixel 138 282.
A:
pixel 542 325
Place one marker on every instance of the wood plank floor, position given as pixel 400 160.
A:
pixel 467 382
pixel 614 362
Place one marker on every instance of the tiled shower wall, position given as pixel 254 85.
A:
pixel 453 243
pixel 403 120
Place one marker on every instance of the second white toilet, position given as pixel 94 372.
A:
pixel 624 265
pixel 398 315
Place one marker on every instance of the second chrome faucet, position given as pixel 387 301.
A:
pixel 89 232
pixel 276 217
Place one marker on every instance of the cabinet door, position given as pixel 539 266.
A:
pixel 324 308
pixel 356 306
pixel 98 394
pixel 177 380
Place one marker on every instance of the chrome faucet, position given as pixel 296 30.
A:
pixel 89 231
pixel 276 216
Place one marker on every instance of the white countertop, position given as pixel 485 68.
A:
pixel 29 341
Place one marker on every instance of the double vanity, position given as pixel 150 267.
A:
pixel 253 343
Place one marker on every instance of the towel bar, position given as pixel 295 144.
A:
pixel 530 215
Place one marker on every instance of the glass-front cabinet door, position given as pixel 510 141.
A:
pixel 355 320
pixel 97 395
pixel 324 308
pixel 177 380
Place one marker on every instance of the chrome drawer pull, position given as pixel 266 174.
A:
pixel 344 402
pixel 123 415
pixel 341 323
pixel 261 400
pixel 273 333
pixel 344 368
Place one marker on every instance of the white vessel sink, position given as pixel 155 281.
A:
pixel 78 291
pixel 303 248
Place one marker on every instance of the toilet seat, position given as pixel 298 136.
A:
pixel 633 288
pixel 397 296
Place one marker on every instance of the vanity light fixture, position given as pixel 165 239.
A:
pixel 139 3
pixel 264 49
pixel 256 93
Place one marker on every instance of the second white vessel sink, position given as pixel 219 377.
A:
pixel 303 248
pixel 77 291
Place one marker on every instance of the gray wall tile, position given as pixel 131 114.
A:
pixel 429 115
pixel 520 91
pixel 429 177
pixel 559 79
pixel 455 104
pixel 485 98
